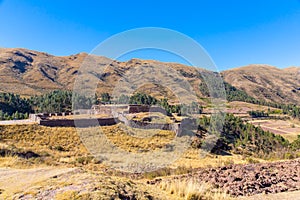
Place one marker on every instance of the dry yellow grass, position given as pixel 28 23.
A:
pixel 12 161
pixel 60 146
pixel 63 146
pixel 192 190
pixel 195 158
pixel 243 106
pixel 55 146
pixel 40 138
pixel 134 140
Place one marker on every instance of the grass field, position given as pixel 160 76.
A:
pixel 64 169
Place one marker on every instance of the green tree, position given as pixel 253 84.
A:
pixel 105 97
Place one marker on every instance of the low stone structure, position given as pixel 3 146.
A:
pixel 118 114
pixel 107 109
pixel 138 108
pixel 79 122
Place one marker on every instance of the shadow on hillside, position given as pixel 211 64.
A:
pixel 26 154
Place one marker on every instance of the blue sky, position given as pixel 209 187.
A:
pixel 234 32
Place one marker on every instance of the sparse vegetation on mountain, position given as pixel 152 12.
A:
pixel 266 83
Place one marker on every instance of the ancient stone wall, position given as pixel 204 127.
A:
pixel 107 109
pixel 43 119
pixel 147 125
pixel 138 108
pixel 79 122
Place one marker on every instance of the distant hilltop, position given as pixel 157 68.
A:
pixel 27 72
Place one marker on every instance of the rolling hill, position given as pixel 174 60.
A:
pixel 27 72
pixel 267 82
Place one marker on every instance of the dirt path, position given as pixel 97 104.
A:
pixel 16 180
pixel 17 122
pixel 71 183
pixel 277 127
pixel 275 130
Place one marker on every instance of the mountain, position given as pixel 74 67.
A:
pixel 30 72
pixel 267 82
pixel 27 72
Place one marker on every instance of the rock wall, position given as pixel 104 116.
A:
pixel 146 125
pixel 138 108
pixel 145 108
pixel 79 122
pixel 107 109
pixel 43 119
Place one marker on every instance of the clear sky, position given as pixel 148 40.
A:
pixel 234 32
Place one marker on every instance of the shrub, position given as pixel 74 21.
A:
pixel 251 160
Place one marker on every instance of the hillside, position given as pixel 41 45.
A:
pixel 28 72
pixel 267 82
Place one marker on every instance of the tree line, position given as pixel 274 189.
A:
pixel 15 107
pixel 61 101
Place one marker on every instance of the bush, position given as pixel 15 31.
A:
pixel 84 160
pixel 257 113
pixel 288 155
pixel 252 161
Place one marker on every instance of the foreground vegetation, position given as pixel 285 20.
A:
pixel 28 146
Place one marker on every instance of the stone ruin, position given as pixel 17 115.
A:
pixel 117 113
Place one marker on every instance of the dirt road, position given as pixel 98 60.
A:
pixel 17 180
pixel 17 122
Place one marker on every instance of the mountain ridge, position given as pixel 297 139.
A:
pixel 28 72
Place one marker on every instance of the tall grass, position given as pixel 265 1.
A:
pixel 192 190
